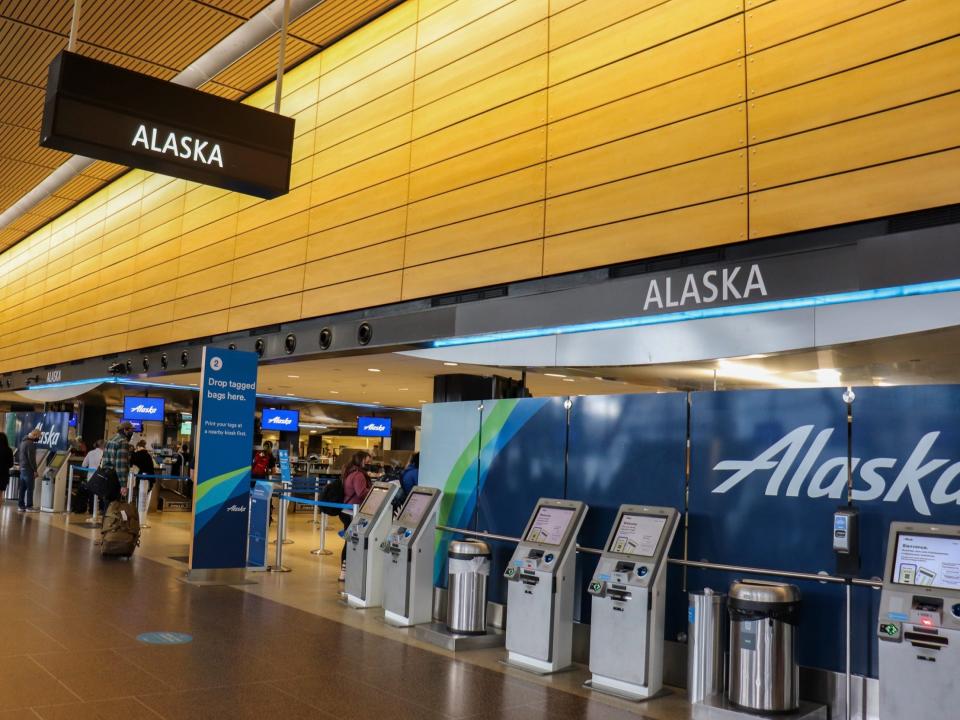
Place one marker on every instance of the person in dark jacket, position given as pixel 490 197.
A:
pixel 411 475
pixel 144 462
pixel 356 486
pixel 27 457
pixel 6 462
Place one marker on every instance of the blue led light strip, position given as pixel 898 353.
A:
pixel 194 388
pixel 929 288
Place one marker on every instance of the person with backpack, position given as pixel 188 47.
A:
pixel 356 486
pixel 115 466
pixel 263 462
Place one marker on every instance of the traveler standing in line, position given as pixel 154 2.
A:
pixel 92 460
pixel 144 462
pixel 6 462
pixel 27 455
pixel 116 457
pixel 356 486
pixel 411 476
pixel 263 462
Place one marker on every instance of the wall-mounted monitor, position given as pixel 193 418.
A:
pixel 143 408
pixel 282 420
pixel 374 427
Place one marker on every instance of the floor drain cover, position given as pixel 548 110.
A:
pixel 165 638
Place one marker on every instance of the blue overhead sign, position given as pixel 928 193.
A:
pixel 374 427
pixel 228 393
pixel 283 420
pixel 143 408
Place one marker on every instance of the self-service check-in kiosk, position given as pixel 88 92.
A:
pixel 541 589
pixel 919 623
pixel 408 560
pixel 628 589
pixel 43 455
pixel 53 482
pixel 364 583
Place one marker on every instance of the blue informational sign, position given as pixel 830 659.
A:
pixel 259 523
pixel 374 427
pixel 285 474
pixel 143 408
pixel 228 389
pixel 283 420
pixel 54 428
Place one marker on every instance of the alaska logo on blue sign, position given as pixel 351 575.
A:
pixel 374 427
pixel 283 420
pixel 228 390
pixel 143 408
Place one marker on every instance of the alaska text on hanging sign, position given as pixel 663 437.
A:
pixel 108 113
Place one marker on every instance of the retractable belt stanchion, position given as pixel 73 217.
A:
pixel 143 501
pixel 316 508
pixel 285 489
pixel 281 532
pixel 322 550
pixel 69 505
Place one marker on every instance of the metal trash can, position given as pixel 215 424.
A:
pixel 764 676
pixel 468 569
pixel 707 623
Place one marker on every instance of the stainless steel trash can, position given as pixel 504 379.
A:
pixel 468 569
pixel 707 623
pixel 764 676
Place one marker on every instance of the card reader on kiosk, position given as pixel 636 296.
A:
pixel 540 591
pixel 628 589
pixel 408 560
pixel 364 583
pixel 919 623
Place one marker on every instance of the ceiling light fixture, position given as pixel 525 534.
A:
pixel 557 375
pixel 373 369
pixel 295 377
pixel 334 392
pixel 569 380
pixel 451 364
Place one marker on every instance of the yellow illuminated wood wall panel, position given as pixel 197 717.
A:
pixel 453 144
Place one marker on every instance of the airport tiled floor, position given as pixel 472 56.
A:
pixel 283 647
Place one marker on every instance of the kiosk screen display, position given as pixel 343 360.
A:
pixel 413 511
pixel 373 502
pixel 638 534
pixel 57 460
pixel 932 560
pixel 549 525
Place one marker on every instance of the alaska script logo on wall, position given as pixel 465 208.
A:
pixel 106 112
pixel 917 476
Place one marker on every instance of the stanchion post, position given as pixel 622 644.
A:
pixel 281 531
pixel 69 505
pixel 96 506
pixel 287 488
pixel 143 503
pixel 322 550
pixel 316 498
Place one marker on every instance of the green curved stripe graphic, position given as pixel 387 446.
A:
pixel 211 484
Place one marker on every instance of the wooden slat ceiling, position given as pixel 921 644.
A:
pixel 159 38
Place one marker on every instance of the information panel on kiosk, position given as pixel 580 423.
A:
pixel 414 509
pixel 550 524
pixel 928 560
pixel 56 462
pixel 640 532
pixel 374 500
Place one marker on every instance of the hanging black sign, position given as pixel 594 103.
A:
pixel 105 112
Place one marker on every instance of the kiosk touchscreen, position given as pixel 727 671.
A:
pixel 628 588
pixel 364 583
pixel 408 560
pixel 919 623
pixel 540 588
